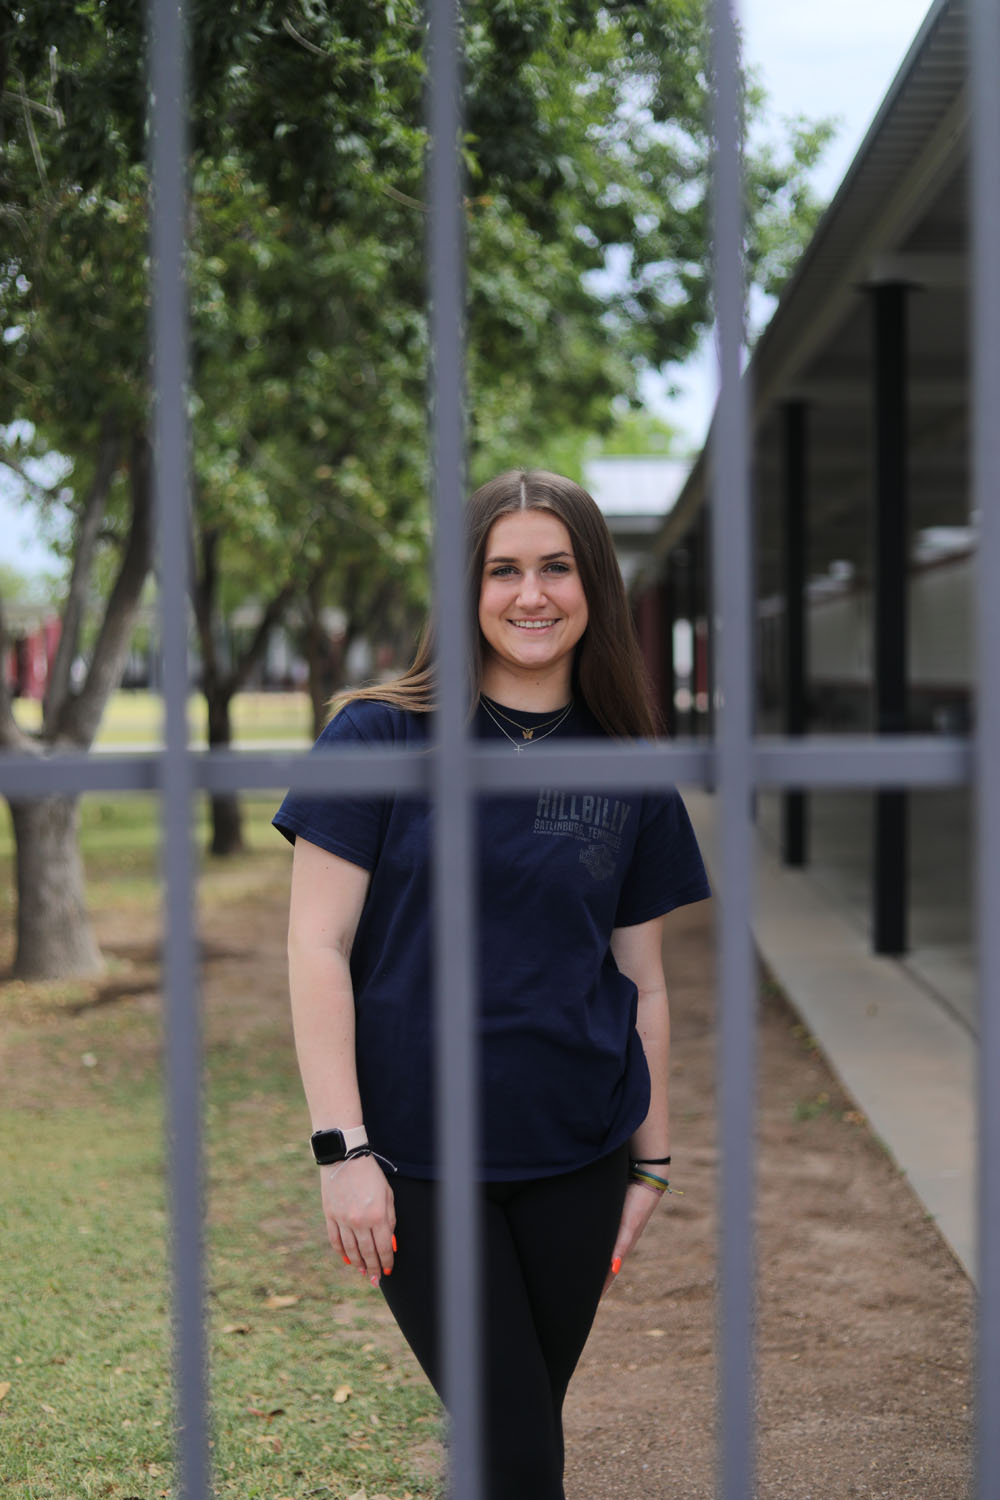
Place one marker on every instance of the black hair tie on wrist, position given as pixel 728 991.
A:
pixel 651 1161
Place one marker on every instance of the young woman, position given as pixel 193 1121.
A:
pixel 572 892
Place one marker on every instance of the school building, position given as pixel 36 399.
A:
pixel 865 539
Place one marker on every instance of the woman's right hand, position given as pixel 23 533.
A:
pixel 360 1215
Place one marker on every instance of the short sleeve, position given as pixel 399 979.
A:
pixel 666 869
pixel 351 827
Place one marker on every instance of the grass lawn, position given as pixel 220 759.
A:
pixel 312 1391
pixel 134 718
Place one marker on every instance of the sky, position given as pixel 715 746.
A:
pixel 813 59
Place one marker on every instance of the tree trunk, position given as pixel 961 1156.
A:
pixel 227 814
pixel 325 663
pixel 54 935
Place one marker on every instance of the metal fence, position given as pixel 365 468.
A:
pixel 734 763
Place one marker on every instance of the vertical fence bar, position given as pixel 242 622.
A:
pixel 985 319
pixel 168 160
pixel 733 677
pixel 453 882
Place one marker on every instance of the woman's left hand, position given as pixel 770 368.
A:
pixel 637 1210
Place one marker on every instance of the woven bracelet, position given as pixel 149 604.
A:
pixel 657 1184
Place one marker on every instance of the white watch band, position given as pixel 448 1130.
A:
pixel 358 1136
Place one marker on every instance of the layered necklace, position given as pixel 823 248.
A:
pixel 528 731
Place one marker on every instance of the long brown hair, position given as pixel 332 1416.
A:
pixel 608 671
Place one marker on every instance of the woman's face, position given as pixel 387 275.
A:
pixel 532 608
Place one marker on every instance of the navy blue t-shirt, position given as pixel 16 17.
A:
pixel 564 1078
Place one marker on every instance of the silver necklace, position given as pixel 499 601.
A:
pixel 528 732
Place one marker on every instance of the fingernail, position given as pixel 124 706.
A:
pixel 374 1281
pixel 394 1244
pixel 616 1265
pixel 347 1260
pixel 386 1270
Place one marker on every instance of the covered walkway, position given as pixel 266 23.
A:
pixel 859 400
pixel 899 1033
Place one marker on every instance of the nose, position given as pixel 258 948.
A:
pixel 530 593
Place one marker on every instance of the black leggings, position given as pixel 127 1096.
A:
pixel 547 1247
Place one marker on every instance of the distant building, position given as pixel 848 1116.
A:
pixel 32 638
pixel 635 495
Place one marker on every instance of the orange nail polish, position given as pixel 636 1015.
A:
pixel 386 1270
pixel 394 1244
pixel 616 1265
pixel 347 1260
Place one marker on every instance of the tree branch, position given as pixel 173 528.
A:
pixel 47 492
pixel 302 41
pixel 81 714
pixel 273 613
pixel 84 551
pixel 29 127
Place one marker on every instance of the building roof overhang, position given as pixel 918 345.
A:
pixel 900 216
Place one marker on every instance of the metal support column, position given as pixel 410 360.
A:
pixel 706 581
pixel 655 625
pixel 667 683
pixel 794 806
pixel 890 861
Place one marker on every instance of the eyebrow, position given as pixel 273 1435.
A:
pixel 546 557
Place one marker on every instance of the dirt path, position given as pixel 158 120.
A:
pixel 864 1316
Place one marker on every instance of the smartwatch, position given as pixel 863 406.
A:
pixel 333 1145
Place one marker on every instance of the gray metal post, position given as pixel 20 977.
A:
pixel 453 880
pixel 795 432
pixel 708 572
pixel 732 674
pixel 667 592
pixel 167 76
pixel 890 874
pixel 985 54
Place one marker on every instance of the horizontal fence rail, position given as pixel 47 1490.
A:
pixel 817 761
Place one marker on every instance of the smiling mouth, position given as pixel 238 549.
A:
pixel 532 624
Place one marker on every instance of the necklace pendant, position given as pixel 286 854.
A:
pixel 527 733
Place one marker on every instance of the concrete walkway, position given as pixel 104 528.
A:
pixel 898 1034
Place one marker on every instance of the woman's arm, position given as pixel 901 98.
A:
pixel 328 894
pixel 638 952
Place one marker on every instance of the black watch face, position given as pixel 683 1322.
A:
pixel 328 1146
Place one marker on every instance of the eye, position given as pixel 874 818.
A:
pixel 503 570
pixel 557 567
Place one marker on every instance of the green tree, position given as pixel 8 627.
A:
pixel 587 165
